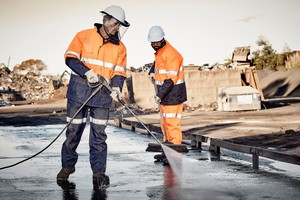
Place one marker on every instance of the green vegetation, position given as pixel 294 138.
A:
pixel 267 58
pixel 4 68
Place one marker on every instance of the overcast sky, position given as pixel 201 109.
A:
pixel 203 31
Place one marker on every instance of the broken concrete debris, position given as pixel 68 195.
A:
pixel 19 87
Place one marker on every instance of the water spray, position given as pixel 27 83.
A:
pixel 172 156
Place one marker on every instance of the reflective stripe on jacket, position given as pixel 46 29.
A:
pixel 104 57
pixel 169 75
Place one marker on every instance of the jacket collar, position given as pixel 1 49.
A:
pixel 162 48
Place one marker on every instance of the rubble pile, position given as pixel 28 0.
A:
pixel 20 87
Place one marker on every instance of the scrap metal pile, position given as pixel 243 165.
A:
pixel 19 87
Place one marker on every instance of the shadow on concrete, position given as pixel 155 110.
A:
pixel 38 120
pixel 282 141
pixel 209 128
pixel 276 102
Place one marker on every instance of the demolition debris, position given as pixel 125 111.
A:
pixel 15 86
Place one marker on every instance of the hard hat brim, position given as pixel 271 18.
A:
pixel 125 23
pixel 156 40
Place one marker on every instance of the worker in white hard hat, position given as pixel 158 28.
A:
pixel 94 55
pixel 168 73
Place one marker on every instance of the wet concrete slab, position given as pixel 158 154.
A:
pixel 133 172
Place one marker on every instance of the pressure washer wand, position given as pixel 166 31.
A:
pixel 160 112
pixel 105 84
pixel 124 104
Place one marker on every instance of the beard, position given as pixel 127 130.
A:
pixel 156 48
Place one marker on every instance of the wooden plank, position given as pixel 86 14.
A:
pixel 137 124
pixel 231 146
pixel 196 137
pixel 196 140
pixel 274 155
pixel 282 156
pixel 257 83
pixel 255 161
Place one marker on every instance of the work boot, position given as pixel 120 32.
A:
pixel 159 157
pixel 165 162
pixel 65 173
pixel 66 185
pixel 100 181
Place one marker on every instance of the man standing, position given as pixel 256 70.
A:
pixel 94 52
pixel 169 79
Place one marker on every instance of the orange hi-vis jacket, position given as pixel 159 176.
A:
pixel 104 57
pixel 169 76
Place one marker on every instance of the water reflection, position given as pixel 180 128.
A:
pixel 169 177
pixel 170 183
pixel 99 194
pixel 70 193
pixel 167 191
pixel 69 190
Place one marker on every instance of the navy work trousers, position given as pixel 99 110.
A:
pixel 97 137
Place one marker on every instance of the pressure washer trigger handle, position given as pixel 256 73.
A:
pixel 104 82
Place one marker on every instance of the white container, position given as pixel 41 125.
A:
pixel 238 98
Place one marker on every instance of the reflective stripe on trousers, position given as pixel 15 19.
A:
pixel 97 137
pixel 172 118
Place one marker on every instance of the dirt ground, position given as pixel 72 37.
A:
pixel 39 113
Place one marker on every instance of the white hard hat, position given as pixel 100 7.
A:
pixel 117 13
pixel 155 34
